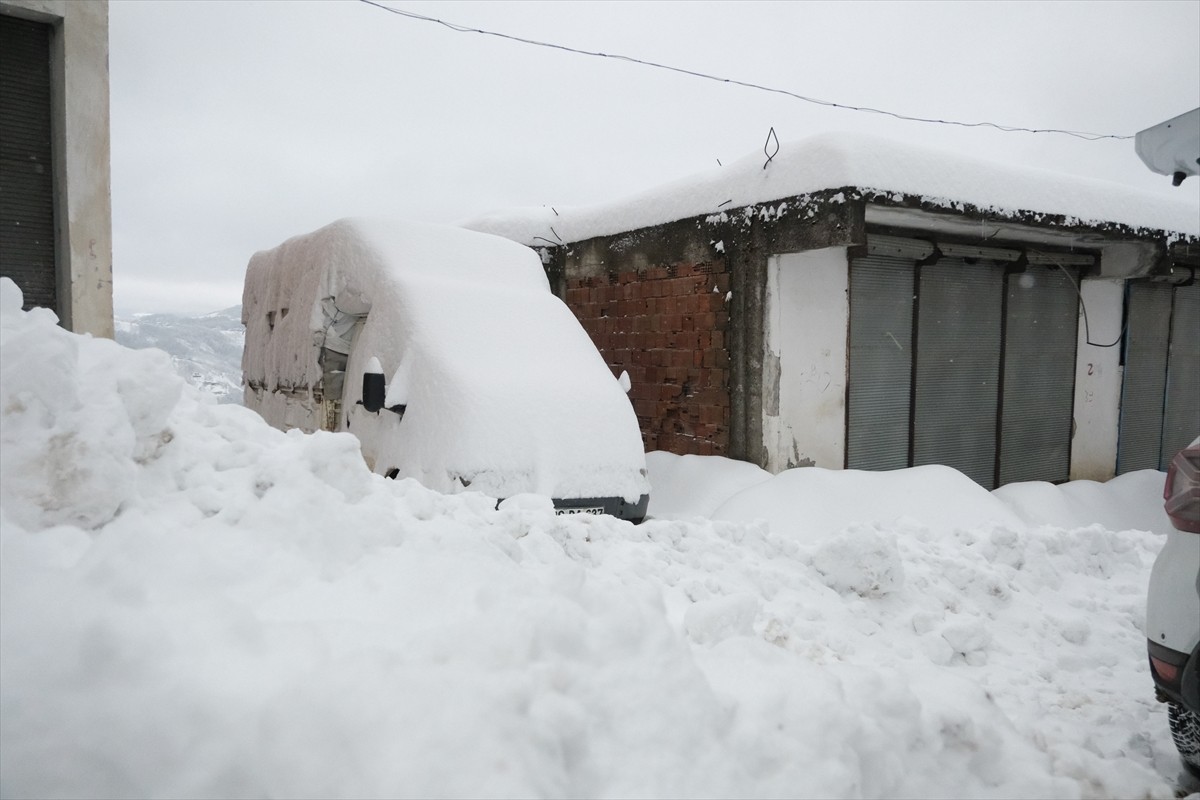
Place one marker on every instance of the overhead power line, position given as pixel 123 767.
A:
pixel 1091 137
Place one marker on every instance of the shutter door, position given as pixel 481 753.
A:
pixel 1037 402
pixel 1181 419
pixel 881 309
pixel 26 174
pixel 958 367
pixel 1145 376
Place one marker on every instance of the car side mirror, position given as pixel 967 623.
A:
pixel 374 389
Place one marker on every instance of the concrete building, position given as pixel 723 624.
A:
pixel 55 195
pixel 854 303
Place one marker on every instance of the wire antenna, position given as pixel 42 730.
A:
pixel 767 151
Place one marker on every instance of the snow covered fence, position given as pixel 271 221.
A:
pixel 195 604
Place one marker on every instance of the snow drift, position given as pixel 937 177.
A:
pixel 504 390
pixel 195 604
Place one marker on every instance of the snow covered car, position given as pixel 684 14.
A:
pixel 445 352
pixel 1173 608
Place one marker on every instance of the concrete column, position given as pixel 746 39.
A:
pixel 1098 378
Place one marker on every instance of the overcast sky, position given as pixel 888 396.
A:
pixel 236 125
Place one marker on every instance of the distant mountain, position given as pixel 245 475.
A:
pixel 205 348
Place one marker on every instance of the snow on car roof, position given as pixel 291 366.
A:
pixel 834 161
pixel 359 262
pixel 494 368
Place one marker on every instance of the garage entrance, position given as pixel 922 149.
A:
pixel 963 356
pixel 1160 398
pixel 26 173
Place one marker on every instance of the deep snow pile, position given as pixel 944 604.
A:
pixel 195 604
pixel 494 369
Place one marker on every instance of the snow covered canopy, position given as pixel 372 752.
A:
pixel 900 184
pixel 503 390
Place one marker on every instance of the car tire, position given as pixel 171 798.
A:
pixel 1185 730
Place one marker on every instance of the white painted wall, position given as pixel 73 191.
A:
pixel 804 367
pixel 1098 377
pixel 83 202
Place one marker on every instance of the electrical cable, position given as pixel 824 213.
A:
pixel 1085 135
pixel 1087 331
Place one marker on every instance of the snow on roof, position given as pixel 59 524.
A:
pixel 362 262
pixel 843 160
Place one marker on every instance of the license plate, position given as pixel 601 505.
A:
pixel 581 510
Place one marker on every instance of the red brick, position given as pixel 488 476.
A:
pixel 713 397
pixel 712 302
pixel 716 358
pixel 674 373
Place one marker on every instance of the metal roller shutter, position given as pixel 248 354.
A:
pixel 881 308
pixel 984 379
pixel 1181 418
pixel 958 367
pixel 1037 401
pixel 1144 388
pixel 26 173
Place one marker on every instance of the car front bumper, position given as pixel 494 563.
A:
pixel 613 506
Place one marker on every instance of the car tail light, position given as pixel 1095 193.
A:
pixel 1182 490
pixel 1168 673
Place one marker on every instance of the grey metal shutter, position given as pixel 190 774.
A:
pixel 1181 417
pixel 26 173
pixel 958 367
pixel 1038 397
pixel 879 392
pixel 1146 341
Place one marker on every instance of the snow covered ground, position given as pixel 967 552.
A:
pixel 195 604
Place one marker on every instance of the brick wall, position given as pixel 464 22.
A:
pixel 666 326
